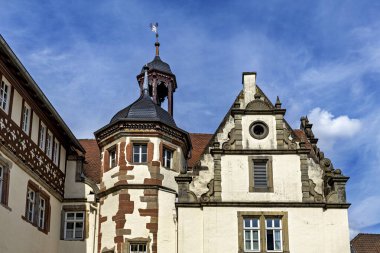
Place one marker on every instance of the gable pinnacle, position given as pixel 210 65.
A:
pixel 278 103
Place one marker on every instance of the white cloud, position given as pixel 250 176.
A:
pixel 328 128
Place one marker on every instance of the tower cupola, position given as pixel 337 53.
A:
pixel 161 80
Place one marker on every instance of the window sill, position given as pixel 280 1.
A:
pixel 135 163
pixel 6 207
pixel 74 240
pixel 34 225
pixel 267 190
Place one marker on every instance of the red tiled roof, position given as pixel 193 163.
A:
pixel 199 142
pixel 92 166
pixel 300 134
pixel 366 243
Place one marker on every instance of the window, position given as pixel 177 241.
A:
pixel 258 130
pixel 55 152
pixel 139 153
pixel 42 139
pixel 263 232
pixel 30 203
pixel 112 153
pixel 167 157
pixel 137 248
pixel 4 96
pixel 37 209
pixel 49 144
pixel 251 234
pixel 74 225
pixel 4 181
pixel 25 124
pixel 42 213
pixel 260 174
pixel 273 233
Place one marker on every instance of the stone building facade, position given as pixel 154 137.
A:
pixel 145 185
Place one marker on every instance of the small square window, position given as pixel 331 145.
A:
pixel 140 153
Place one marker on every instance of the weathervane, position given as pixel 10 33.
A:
pixel 154 28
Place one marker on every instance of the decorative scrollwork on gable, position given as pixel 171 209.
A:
pixel 206 197
pixel 258 105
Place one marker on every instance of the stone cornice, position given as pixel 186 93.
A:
pixel 258 112
pixel 260 151
pixel 266 204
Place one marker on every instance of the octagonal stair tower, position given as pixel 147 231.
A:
pixel 142 151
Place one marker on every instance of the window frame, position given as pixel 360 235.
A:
pixel 35 219
pixel 5 95
pixel 165 150
pixel 269 173
pixel 26 118
pixel 42 136
pixel 55 151
pixel 112 162
pixel 138 241
pixel 49 144
pixel 6 166
pixel 263 216
pixel 140 153
pixel 81 208
pixel 75 221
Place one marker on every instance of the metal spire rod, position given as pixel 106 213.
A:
pixel 154 28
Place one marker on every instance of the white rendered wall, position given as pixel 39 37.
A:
pixel 16 107
pixel 17 235
pixel 269 142
pixel 311 230
pixel 166 223
pixel 74 189
pixel 286 179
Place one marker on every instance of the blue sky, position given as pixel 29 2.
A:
pixel 321 57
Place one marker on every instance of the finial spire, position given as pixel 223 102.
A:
pixel 154 28
pixel 145 84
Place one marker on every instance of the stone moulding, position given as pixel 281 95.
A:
pixel 323 205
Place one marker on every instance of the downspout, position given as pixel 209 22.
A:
pixel 95 226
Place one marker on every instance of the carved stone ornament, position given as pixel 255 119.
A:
pixel 258 105
pixel 206 197
pixel 289 139
pixel 231 140
pixel 317 197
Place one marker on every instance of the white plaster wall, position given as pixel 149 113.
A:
pixel 316 174
pixel 286 179
pixel 249 86
pixel 199 183
pixel 62 162
pixel 74 189
pixel 166 236
pixel 223 135
pixel 191 231
pixel 311 230
pixel 35 128
pixel 135 222
pixel 109 209
pixel 269 142
pixel 16 107
pixel 17 235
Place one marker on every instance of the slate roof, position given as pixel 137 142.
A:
pixel 159 65
pixel 92 166
pixel 366 243
pixel 144 109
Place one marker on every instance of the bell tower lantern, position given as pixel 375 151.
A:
pixel 161 80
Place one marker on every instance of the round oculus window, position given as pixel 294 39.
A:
pixel 258 130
